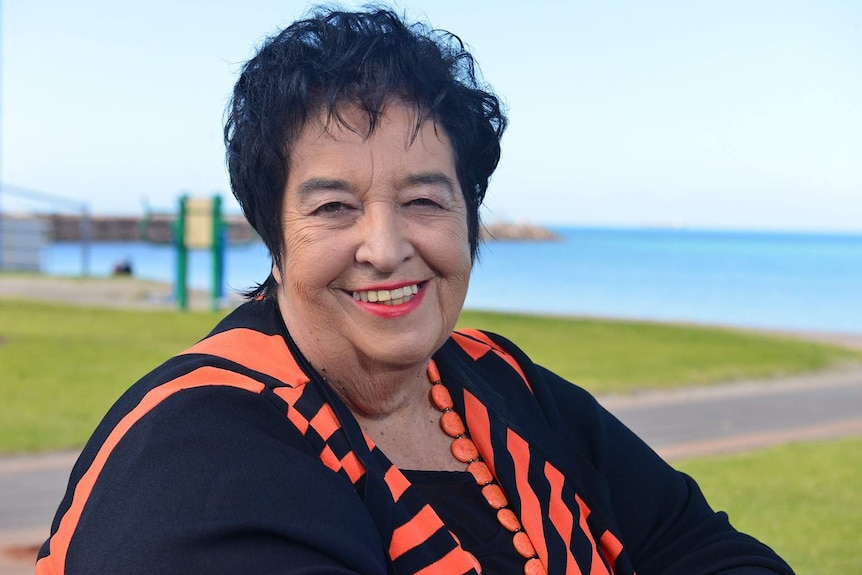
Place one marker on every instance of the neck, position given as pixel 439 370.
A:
pixel 389 401
pixel 394 411
pixel 370 388
pixel 377 393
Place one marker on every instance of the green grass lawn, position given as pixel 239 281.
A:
pixel 62 366
pixel 803 500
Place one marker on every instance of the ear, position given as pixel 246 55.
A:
pixel 276 273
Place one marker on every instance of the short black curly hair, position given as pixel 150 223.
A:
pixel 365 59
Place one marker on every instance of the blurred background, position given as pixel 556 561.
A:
pixel 696 162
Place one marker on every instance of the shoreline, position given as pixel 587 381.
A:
pixel 136 293
pixel 109 292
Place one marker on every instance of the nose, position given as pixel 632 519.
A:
pixel 384 242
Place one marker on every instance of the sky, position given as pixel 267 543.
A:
pixel 738 114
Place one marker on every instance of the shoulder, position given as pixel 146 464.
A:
pixel 202 453
pixel 189 422
pixel 226 397
pixel 212 479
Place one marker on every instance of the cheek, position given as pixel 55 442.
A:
pixel 454 251
pixel 451 260
pixel 313 258
pixel 299 234
pixel 301 242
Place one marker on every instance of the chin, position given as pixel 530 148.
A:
pixel 409 351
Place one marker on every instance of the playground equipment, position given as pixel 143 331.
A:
pixel 199 225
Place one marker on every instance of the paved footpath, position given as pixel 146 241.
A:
pixel 744 415
pixel 678 424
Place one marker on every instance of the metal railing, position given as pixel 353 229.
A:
pixel 54 201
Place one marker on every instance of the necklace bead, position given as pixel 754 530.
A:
pixel 534 567
pixel 495 496
pixel 508 519
pixel 480 473
pixel 523 545
pixel 440 397
pixel 433 372
pixel 465 451
pixel 451 424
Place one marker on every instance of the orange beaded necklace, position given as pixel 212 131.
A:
pixel 465 451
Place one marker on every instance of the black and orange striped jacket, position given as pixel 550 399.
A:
pixel 235 457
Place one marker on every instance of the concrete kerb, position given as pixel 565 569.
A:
pixel 18 550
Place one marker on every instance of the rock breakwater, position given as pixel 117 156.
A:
pixel 158 228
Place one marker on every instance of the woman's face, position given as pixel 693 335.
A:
pixel 376 257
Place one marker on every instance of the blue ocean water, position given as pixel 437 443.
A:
pixel 790 281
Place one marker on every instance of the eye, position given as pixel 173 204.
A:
pixel 332 209
pixel 424 203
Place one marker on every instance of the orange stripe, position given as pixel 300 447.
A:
pixel 479 427
pixel 368 441
pixel 472 347
pixel 415 532
pixel 327 456
pixel 397 483
pixel 325 422
pixel 503 354
pixel 561 516
pixel 456 562
pixel 297 419
pixel 264 353
pixel 531 511
pixel 611 547
pixel 291 395
pixel 44 566
pixel 353 467
pixel 205 376
pixel 596 565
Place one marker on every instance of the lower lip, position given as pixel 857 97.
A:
pixel 392 311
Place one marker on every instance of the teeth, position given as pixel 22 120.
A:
pixel 396 296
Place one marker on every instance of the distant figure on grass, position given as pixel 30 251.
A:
pixel 335 423
pixel 123 268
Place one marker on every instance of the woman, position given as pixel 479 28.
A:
pixel 334 423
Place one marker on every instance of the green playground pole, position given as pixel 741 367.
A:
pixel 182 257
pixel 217 248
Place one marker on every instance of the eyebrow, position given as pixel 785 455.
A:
pixel 429 179
pixel 321 184
pixel 420 179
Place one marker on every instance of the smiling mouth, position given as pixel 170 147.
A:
pixel 396 296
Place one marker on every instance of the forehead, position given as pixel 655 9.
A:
pixel 399 135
